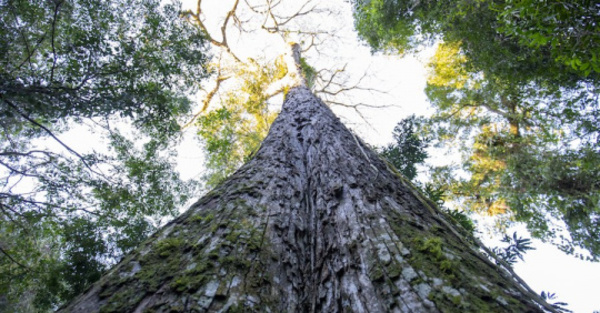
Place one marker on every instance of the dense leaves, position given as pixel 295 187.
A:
pixel 66 212
pixel 408 148
pixel 569 29
pixel 93 58
pixel 515 86
pixel 499 37
pixel 71 223
pixel 232 132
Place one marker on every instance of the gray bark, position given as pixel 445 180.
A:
pixel 315 222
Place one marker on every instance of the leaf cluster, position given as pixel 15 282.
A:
pixel 558 305
pixel 516 247
pixel 233 132
pixel 94 58
pixel 409 149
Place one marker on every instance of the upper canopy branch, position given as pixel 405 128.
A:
pixel 196 18
pixel 289 22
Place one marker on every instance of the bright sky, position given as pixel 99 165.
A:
pixel 403 80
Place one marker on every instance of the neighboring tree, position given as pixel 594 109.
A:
pixel 314 221
pixel 65 215
pixel 516 40
pixel 408 150
pixel 519 151
pixel 408 134
pixel 519 96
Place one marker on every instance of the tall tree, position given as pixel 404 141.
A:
pixel 315 221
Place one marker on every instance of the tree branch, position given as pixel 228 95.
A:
pixel 50 134
pixel 52 34
pixel 207 100
pixel 13 260
pixel 197 19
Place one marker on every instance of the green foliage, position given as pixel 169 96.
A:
pixel 309 72
pixel 79 222
pixel 432 251
pixel 519 97
pixel 381 26
pixel 462 219
pixel 234 131
pixel 568 30
pixel 502 46
pixel 95 58
pixel 432 246
pixel 408 148
pixel 167 247
pixel 517 149
pixel 66 215
pixel 82 264
pixel 434 193
pixel 558 305
pixel 516 247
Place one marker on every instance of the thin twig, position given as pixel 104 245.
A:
pixel 54 19
pixel 50 134
pixel 13 260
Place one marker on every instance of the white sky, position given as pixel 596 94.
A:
pixel 574 281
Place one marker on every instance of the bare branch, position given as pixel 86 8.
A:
pixel 28 153
pixel 277 18
pixel 17 171
pixel 197 19
pixel 207 100
pixel 329 82
pixel 358 105
pixel 300 12
pixel 26 117
pixel 13 260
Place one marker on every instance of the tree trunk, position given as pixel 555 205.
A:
pixel 315 222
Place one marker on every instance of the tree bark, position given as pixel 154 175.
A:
pixel 314 222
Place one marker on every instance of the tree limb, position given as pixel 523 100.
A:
pixel 26 117
pixel 13 260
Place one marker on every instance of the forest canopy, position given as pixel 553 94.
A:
pixel 124 67
pixel 515 85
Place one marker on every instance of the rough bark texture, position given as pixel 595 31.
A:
pixel 315 222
